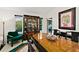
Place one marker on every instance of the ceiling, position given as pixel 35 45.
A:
pixel 35 10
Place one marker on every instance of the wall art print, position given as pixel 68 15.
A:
pixel 67 19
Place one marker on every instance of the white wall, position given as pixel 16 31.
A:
pixel 77 19
pixel 9 25
pixel 9 18
pixel 54 15
pixel 44 25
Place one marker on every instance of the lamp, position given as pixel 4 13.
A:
pixel 3 21
pixel 3 31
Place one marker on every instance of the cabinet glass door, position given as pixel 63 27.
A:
pixel 41 24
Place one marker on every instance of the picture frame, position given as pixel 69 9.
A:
pixel 67 19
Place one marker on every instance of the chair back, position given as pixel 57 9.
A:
pixel 75 36
pixel 13 33
pixel 56 32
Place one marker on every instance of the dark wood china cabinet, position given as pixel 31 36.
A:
pixel 31 24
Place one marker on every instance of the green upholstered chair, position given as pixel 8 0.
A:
pixel 13 37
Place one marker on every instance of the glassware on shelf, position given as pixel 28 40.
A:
pixel 31 22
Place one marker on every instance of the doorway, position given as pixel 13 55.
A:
pixel 49 26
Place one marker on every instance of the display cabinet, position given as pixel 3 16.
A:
pixel 31 24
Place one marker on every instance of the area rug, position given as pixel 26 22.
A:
pixel 19 47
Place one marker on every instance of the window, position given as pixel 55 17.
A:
pixel 19 23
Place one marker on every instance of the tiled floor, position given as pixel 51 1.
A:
pixel 8 47
pixel 35 48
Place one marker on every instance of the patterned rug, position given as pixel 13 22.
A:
pixel 20 48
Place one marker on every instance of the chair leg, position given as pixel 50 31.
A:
pixel 65 37
pixel 11 44
pixel 22 40
pixel 7 41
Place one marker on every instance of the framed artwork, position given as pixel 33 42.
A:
pixel 67 19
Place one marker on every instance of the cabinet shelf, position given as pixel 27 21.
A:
pixel 31 23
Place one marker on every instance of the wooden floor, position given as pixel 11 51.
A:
pixel 59 45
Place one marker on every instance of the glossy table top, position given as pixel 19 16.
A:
pixel 57 45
